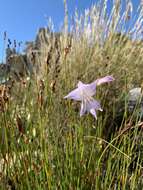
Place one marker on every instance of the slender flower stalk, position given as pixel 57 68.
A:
pixel 85 93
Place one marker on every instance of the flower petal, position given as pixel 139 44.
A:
pixel 104 79
pixel 75 95
pixel 80 84
pixel 93 112
pixel 90 106
pixel 83 108
pixel 93 104
pixel 89 89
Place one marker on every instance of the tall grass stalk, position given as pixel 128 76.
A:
pixel 44 142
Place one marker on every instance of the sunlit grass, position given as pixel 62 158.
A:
pixel 45 144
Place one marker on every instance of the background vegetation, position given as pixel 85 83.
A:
pixel 44 142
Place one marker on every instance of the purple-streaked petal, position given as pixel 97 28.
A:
pixel 83 108
pixel 104 79
pixel 89 89
pixel 93 112
pixel 79 84
pixel 75 95
pixel 90 106
pixel 93 104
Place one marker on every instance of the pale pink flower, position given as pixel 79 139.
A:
pixel 84 93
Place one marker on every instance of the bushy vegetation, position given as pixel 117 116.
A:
pixel 45 144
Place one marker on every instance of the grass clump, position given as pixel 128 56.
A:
pixel 44 142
